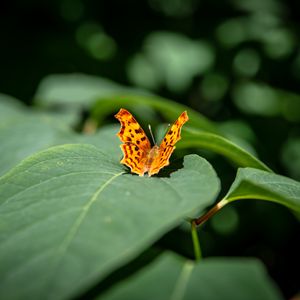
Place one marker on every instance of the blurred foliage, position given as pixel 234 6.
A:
pixel 237 62
pixel 170 60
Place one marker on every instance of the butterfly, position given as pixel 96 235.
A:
pixel 139 156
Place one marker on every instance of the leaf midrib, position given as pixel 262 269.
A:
pixel 182 281
pixel 51 179
pixel 62 249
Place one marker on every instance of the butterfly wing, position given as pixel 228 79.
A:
pixel 167 145
pixel 136 144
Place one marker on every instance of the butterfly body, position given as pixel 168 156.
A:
pixel 136 147
pixel 152 155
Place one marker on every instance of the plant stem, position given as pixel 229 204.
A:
pixel 210 213
pixel 195 239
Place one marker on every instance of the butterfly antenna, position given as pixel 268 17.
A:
pixel 152 136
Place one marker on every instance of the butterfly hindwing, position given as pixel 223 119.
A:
pixel 134 158
pixel 136 144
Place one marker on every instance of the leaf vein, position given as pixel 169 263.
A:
pixel 50 179
pixel 182 282
pixel 62 249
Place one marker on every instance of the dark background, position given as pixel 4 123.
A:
pixel 237 62
pixel 39 38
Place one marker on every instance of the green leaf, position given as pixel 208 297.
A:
pixel 84 90
pixel 256 184
pixel 77 90
pixel 106 140
pixel 71 215
pixel 221 145
pixel 25 135
pixel 22 137
pixel 167 108
pixel 10 108
pixel 174 278
pixel 69 94
pixel 207 139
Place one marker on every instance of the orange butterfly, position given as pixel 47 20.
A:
pixel 139 156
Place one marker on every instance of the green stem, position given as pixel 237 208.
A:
pixel 195 239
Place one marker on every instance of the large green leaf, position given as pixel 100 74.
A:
pixel 105 139
pixel 256 184
pixel 174 278
pixel 71 214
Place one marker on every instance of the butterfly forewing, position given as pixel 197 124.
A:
pixel 173 134
pixel 167 145
pixel 131 131
pixel 136 144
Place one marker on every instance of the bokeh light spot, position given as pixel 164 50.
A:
pixel 95 41
pixel 226 221
pixel 142 73
pixel 214 86
pixel 231 32
pixel 246 62
pixel 279 43
pixel 254 98
pixel 174 58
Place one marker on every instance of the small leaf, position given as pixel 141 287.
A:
pixel 221 145
pixel 256 184
pixel 174 278
pixel 25 135
pixel 70 215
